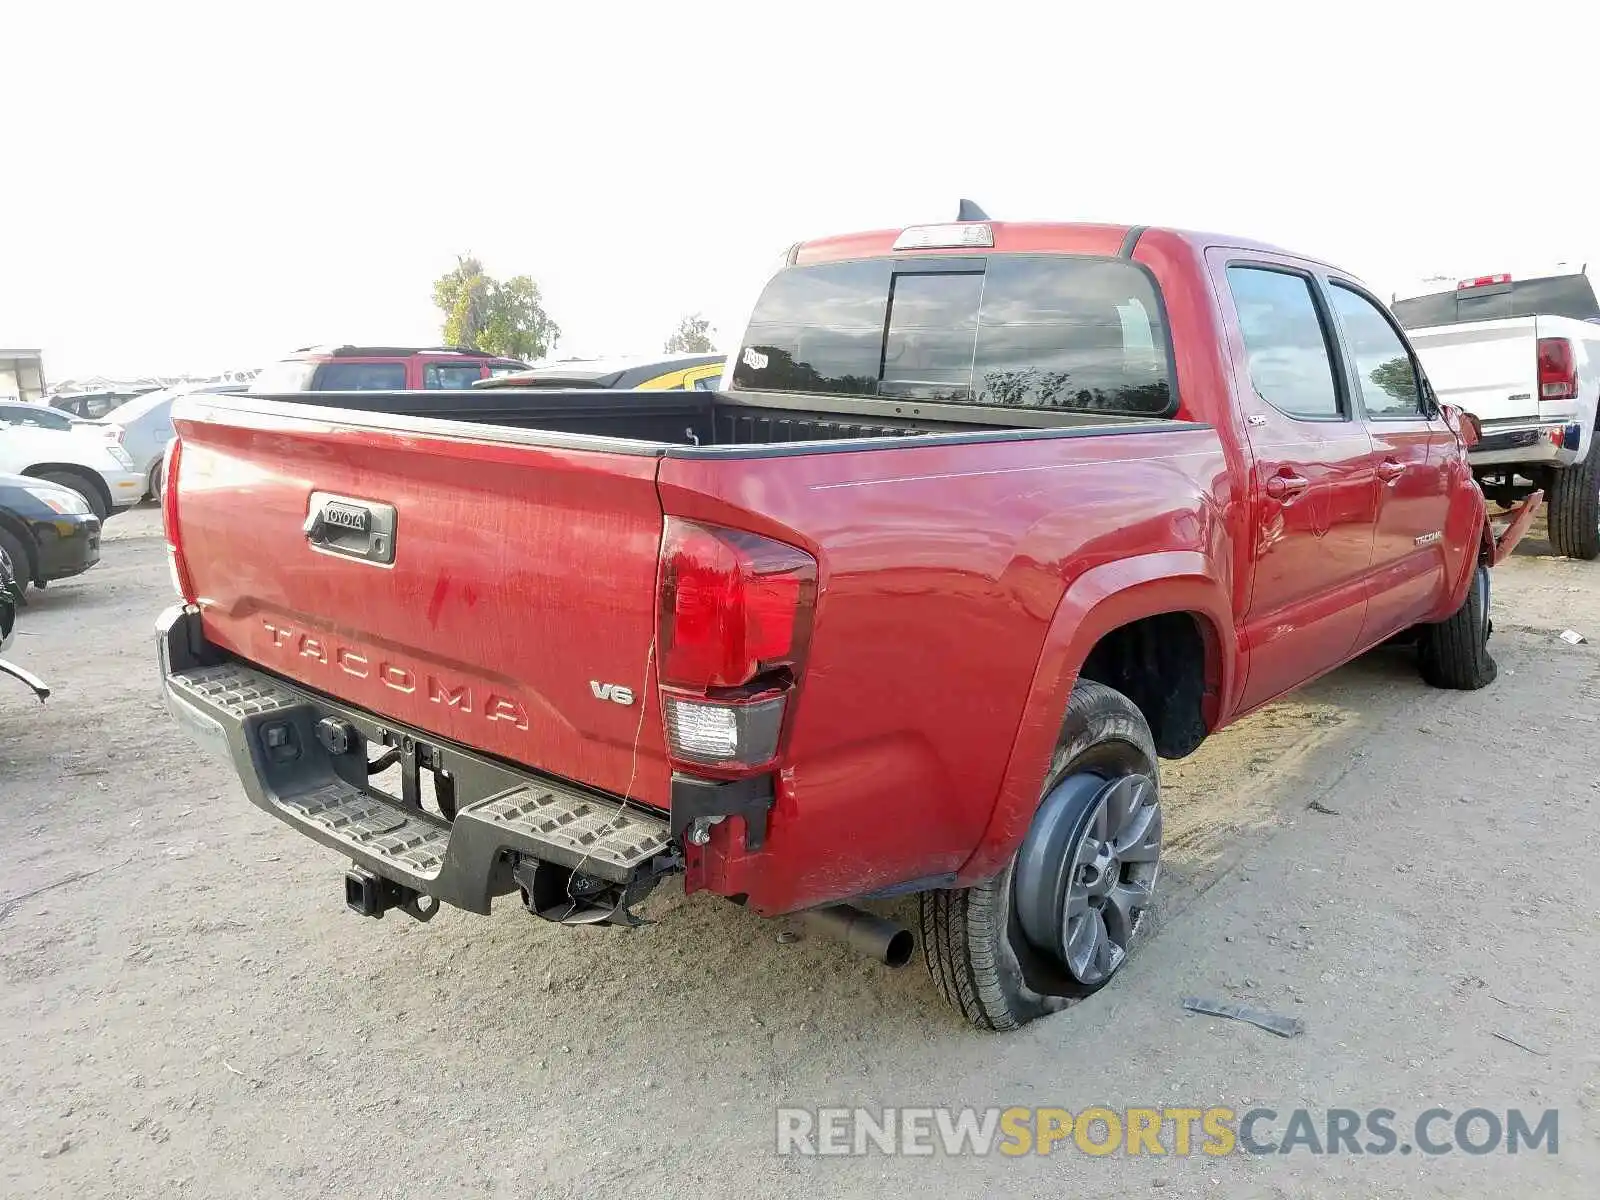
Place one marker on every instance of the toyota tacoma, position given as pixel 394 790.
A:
pixel 986 520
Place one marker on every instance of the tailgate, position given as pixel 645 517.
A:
pixel 1489 368
pixel 498 593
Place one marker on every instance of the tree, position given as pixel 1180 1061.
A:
pixel 1397 378
pixel 497 317
pixel 693 336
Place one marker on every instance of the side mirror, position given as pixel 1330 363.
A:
pixel 1465 426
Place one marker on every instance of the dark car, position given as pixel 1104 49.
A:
pixel 47 531
pixel 10 597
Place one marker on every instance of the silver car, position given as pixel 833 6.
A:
pixel 146 424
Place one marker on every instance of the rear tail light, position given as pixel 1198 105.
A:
pixel 181 582
pixel 1558 370
pixel 735 624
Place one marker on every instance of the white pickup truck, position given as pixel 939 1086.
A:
pixel 1522 355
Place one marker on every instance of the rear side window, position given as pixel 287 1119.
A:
pixel 1384 371
pixel 1291 366
pixel 361 377
pixel 454 376
pixel 1053 332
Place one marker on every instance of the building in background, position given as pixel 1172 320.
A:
pixel 22 376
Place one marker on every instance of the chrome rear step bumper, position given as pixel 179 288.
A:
pixel 277 737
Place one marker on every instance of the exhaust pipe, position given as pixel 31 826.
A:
pixel 872 936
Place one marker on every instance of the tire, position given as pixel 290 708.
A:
pixel 996 950
pixel 155 482
pixel 1454 653
pixel 90 493
pixel 21 564
pixel 1574 515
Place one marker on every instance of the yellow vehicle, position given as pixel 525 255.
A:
pixel 684 372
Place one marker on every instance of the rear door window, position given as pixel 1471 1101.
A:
pixel 361 377
pixel 451 375
pixel 1053 332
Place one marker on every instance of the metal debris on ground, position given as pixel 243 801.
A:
pixel 1284 1027
pixel 1572 637
pixel 1317 806
pixel 1519 1045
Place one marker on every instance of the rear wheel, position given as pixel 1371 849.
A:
pixel 77 483
pixel 1059 921
pixel 1454 653
pixel 153 488
pixel 1574 513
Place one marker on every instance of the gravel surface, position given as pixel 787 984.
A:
pixel 189 1010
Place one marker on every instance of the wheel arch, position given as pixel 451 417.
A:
pixel 88 474
pixel 24 535
pixel 1175 586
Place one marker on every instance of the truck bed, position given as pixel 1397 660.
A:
pixel 657 422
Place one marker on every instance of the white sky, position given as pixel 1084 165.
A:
pixel 184 188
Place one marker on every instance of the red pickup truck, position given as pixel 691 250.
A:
pixel 988 519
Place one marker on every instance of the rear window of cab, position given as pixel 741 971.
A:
pixel 1045 331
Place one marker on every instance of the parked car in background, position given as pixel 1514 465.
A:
pixel 10 601
pixel 143 426
pixel 700 372
pixel 48 531
pixel 1522 355
pixel 992 517
pixel 91 464
pixel 89 405
pixel 381 368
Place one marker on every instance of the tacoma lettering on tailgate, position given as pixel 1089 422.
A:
pixel 308 647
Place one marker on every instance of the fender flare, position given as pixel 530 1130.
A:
pixel 1102 599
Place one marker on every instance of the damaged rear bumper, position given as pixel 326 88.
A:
pixel 1517 521
pixel 305 759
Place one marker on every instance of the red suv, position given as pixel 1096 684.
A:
pixel 381 368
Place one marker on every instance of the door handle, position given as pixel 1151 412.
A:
pixel 1389 470
pixel 1281 487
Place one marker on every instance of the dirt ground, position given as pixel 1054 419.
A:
pixel 189 1010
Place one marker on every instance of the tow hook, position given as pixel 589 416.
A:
pixel 371 895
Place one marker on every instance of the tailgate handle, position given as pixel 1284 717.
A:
pixel 351 527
